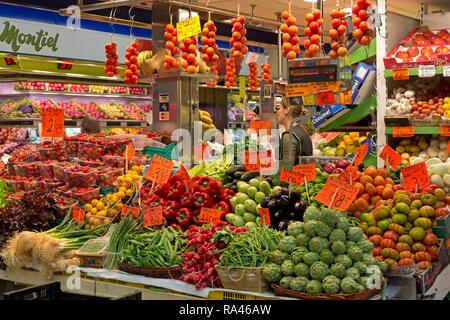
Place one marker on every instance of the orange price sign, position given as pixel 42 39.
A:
pixel 184 176
pixel 390 157
pixel 448 147
pixel 52 123
pixel 291 177
pixel 251 161
pixel 403 132
pixel 445 131
pixel 153 216
pixel 308 170
pixel 348 176
pixel 129 152
pixel 265 216
pixel 159 170
pixel 78 215
pixel 325 98
pixel 128 210
pixel 415 177
pixel 400 74
pixel 337 195
pixel 360 153
pixel 260 125
pixel 208 215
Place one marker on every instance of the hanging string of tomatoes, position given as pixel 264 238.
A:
pixel 362 32
pixel 313 31
pixel 238 39
pixel 290 36
pixel 112 59
pixel 170 62
pixel 337 33
pixel 209 50
pixel 230 75
pixel 266 74
pixel 189 55
pixel 132 71
pixel 253 76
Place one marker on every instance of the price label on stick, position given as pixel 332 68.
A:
pixel 360 154
pixel 128 210
pixel 188 28
pixel 184 176
pixel 52 123
pixel 208 215
pixel 308 170
pixel 153 216
pixel 403 132
pixel 337 195
pixel 390 157
pixel 445 131
pixel 265 216
pixel 78 215
pixel 448 147
pixel 348 176
pixel 400 74
pixel 159 170
pixel 260 125
pixel 291 177
pixel 415 177
pixel 129 152
pixel 251 161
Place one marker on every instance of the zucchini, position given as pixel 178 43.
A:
pixel 239 174
pixel 249 175
pixel 228 185
pixel 231 170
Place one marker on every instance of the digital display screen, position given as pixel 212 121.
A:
pixel 312 74
pixel 10 61
pixel 65 65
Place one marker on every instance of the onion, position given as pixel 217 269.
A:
pixel 328 167
pixel 342 163
pixel 338 171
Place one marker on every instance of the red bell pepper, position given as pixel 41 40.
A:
pixel 173 179
pixel 196 217
pixel 186 200
pixel 176 226
pixel 176 191
pixel 209 185
pixel 226 194
pixel 202 199
pixel 222 206
pixel 163 190
pixel 196 183
pixel 171 209
pixel 184 217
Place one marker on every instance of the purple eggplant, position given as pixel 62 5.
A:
pixel 282 225
pixel 265 202
pixel 277 217
pixel 295 195
pixel 285 202
pixel 274 206
pixel 281 192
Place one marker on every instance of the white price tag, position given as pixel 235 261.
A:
pixel 252 57
pixel 446 71
pixel 427 71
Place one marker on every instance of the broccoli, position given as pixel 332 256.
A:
pixel 355 253
pixel 363 281
pixel 313 287
pixel 352 273
pixel 361 266
pixel 299 284
pixel 338 247
pixel 355 234
pixel 310 257
pixel 298 254
pixel 310 228
pixel 302 240
pixel 285 282
pixel 322 229
pixel 338 235
pixel 365 245
pixel 343 224
pixel 331 284
pixel 295 228
pixel 278 256
pixel 318 244
pixel 272 272
pixel 349 285
pixel 338 270
pixel 302 270
pixel 311 213
pixel 327 256
pixel 345 260
pixel 329 217
pixel 319 270
pixel 287 244
pixel 287 268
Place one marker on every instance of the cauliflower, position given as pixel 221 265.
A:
pixel 295 228
pixel 383 266
pixel 285 282
pixel 272 272
pixel 361 266
pixel 278 256
pixel 299 284
pixel 313 287
pixel 331 284
pixel 298 254
pixel 287 268
pixel 311 213
pixel 355 253
pixel 352 273
pixel 310 228
pixel 349 285
pixel 329 217
pixel 302 270
pixel 318 244
pixel 310 257
pixel 319 270
pixel 327 256
pixel 345 260
pixel 302 240
pixel 338 270
pixel 338 235
pixel 365 245
pixel 343 224
pixel 287 244
pixel 355 234
pixel 363 281
pixel 322 229
pixel 338 247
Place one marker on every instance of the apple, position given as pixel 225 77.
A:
pixel 438 41
pixel 413 52
pixel 428 34
pixel 402 55
pixel 427 52
pixel 442 50
pixel 422 59
pixel 418 39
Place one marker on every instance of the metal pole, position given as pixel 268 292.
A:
pixel 280 65
pixel 381 38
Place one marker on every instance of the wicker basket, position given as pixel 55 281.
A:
pixel 362 295
pixel 173 272
pixel 243 279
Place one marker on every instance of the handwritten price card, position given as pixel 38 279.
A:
pixel 188 28
pixel 400 74
pixel 78 215
pixel 52 123
pixel 403 132
pixel 308 170
pixel 260 125
pixel 415 176
pixel 265 216
pixel 325 98
pixel 153 216
pixel 129 152
pixel 208 215
pixel 184 176
pixel 291 177
pixel 348 176
pixel 128 210
pixel 360 154
pixel 159 170
pixel 390 157
pixel 343 195
pixel 445 131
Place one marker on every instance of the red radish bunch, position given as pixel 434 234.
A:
pixel 266 73
pixel 189 55
pixel 253 76
pixel 361 32
pixel 132 72
pixel 313 32
pixel 230 75
pixel 337 33
pixel 290 36
pixel 171 39
pixel 209 49
pixel 238 40
pixel 112 59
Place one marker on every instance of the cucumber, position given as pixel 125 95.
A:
pixel 239 174
pixel 228 185
pixel 231 170
pixel 249 175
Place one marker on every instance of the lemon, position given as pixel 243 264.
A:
pixel 123 189
pixel 94 211
pixel 115 198
pixel 120 179
pixel 100 206
pixel 94 202
pixel 121 195
pixel 88 216
pixel 119 205
pixel 107 221
pixel 88 207
pixel 128 180
pixel 102 213
pixel 135 168
pixel 129 192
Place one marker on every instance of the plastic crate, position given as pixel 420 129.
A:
pixel 63 210
pixel 71 148
pixel 106 178
pixel 53 153
pixel 167 152
pixel 114 161
pixel 46 170
pixel 88 150
pixel 85 196
pixel 27 170
pixel 117 146
pixel 15 185
pixel 81 179
pixel 59 170
pixel 90 163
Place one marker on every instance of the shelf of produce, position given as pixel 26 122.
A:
pixel 69 123
pixel 229 88
pixel 419 130
pixel 174 75
pixel 352 116
pixel 389 73
pixel 363 52
pixel 75 94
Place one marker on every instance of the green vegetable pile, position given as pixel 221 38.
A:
pixel 313 188
pixel 215 168
pixel 4 191
pixel 324 254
